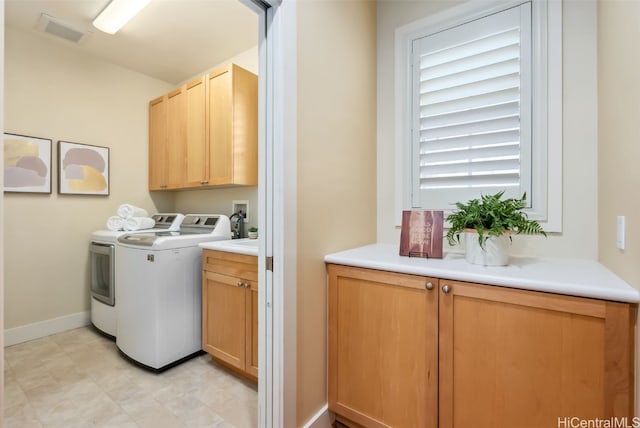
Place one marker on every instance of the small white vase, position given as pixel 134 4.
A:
pixel 494 253
pixel 252 235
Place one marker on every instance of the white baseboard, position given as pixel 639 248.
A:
pixel 322 419
pixel 24 333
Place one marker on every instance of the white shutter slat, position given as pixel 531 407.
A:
pixel 487 43
pixel 496 84
pixel 500 151
pixel 463 64
pixel 503 181
pixel 470 169
pixel 465 103
pixel 483 126
pixel 481 73
pixel 479 140
pixel 473 115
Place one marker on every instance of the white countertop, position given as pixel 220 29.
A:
pixel 238 246
pixel 584 278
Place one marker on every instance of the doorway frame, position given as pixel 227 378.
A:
pixel 2 211
pixel 277 206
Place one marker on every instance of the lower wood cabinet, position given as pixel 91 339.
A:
pixel 409 351
pixel 230 310
pixel 383 337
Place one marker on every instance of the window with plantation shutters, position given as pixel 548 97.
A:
pixel 471 110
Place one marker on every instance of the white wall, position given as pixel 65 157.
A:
pixel 619 133
pixel 336 80
pixel 2 210
pixel 55 91
pixel 579 237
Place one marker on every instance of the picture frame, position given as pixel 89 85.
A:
pixel 83 169
pixel 27 164
pixel 421 234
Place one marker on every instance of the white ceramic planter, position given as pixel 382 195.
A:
pixel 252 235
pixel 495 252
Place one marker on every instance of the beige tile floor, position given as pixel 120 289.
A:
pixel 77 379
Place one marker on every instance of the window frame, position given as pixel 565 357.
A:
pixel 546 198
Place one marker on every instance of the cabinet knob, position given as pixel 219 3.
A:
pixel 247 285
pixel 204 182
pixel 239 284
pixel 446 289
pixel 429 286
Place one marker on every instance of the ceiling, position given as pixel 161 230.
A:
pixel 171 40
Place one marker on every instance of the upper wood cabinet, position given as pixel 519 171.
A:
pixel 403 353
pixel 205 133
pixel 157 143
pixel 167 139
pixel 233 127
pixel 196 142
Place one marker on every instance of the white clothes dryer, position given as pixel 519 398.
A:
pixel 102 249
pixel 159 289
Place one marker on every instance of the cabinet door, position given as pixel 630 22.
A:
pixel 176 139
pixel 223 318
pixel 220 104
pixel 252 328
pixel 157 142
pixel 196 150
pixel 383 348
pixel 231 264
pixel 520 358
pixel 245 127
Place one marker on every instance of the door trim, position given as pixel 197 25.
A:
pixel 277 394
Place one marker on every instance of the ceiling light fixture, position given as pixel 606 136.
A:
pixel 117 13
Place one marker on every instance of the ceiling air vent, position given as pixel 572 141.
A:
pixel 58 28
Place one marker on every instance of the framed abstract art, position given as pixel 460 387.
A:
pixel 27 164
pixel 82 169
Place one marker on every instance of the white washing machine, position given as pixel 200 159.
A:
pixel 159 288
pixel 103 268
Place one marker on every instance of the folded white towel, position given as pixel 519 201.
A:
pixel 138 223
pixel 115 223
pixel 128 211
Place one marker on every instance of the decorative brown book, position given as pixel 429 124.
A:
pixel 421 234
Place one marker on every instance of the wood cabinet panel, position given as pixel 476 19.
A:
pixel 196 144
pixel 245 127
pixel 206 132
pixel 230 310
pixel 175 161
pixel 520 358
pixel 233 126
pixel 238 265
pixel 220 127
pixel 225 319
pixel 167 140
pixel 252 330
pixel 470 355
pixel 382 341
pixel 157 142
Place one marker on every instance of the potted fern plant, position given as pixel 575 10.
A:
pixel 488 224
